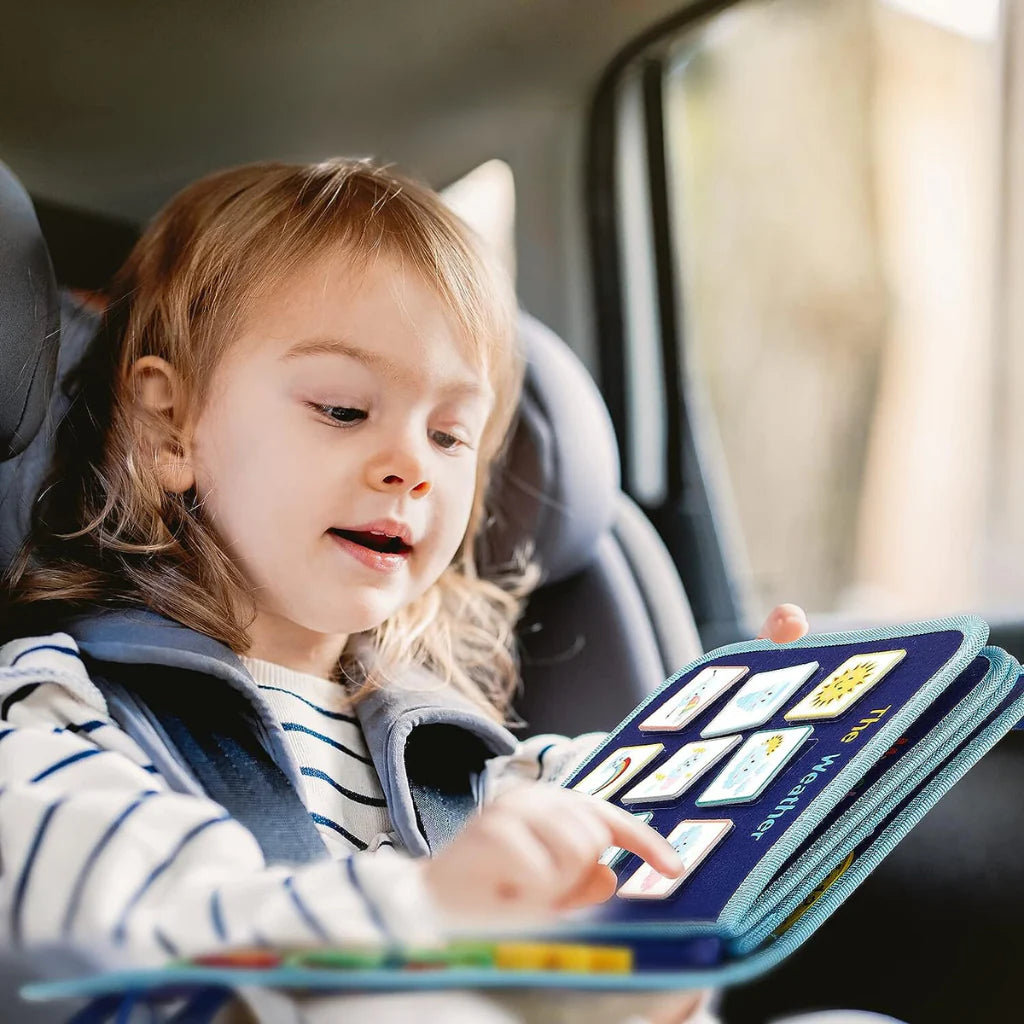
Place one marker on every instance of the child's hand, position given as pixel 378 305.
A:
pixel 786 622
pixel 534 851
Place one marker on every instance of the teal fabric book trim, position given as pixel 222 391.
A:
pixel 899 825
pixel 883 795
pixel 798 842
pixel 851 837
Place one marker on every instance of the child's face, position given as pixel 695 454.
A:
pixel 379 422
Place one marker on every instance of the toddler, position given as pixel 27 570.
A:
pixel 269 485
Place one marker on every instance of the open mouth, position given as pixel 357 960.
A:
pixel 382 542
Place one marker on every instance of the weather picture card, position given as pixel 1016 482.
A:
pixel 759 698
pixel 617 769
pixel 684 706
pixel 693 841
pixel 845 686
pixel 671 779
pixel 754 766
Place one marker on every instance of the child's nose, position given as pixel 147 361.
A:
pixel 398 471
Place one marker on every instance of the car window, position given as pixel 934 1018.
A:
pixel 834 175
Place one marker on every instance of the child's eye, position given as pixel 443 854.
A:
pixel 341 413
pixel 448 442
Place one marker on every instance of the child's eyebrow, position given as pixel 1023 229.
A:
pixel 375 361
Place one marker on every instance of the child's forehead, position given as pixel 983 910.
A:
pixel 337 271
pixel 381 311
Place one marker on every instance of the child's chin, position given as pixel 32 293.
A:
pixel 351 620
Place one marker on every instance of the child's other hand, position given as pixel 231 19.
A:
pixel 787 622
pixel 534 851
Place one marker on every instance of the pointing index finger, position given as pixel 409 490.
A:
pixel 631 834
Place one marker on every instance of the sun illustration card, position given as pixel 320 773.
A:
pixel 617 769
pixel 680 771
pixel 844 687
pixel 696 695
pixel 754 766
pixel 614 855
pixel 759 698
pixel 693 841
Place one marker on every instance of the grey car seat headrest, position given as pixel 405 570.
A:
pixel 29 319
pixel 560 482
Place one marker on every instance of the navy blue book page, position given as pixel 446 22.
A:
pixel 703 895
pixel 943 705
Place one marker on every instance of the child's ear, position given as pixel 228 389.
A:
pixel 160 399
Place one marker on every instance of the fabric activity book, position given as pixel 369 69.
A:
pixel 782 774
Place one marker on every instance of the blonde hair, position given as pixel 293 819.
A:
pixel 105 531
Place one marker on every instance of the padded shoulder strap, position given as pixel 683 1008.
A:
pixel 201 735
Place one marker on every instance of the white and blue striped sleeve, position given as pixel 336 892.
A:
pixel 545 758
pixel 98 853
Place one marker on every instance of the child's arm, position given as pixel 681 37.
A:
pixel 544 758
pixel 99 854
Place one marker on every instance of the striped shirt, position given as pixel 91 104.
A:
pixel 341 788
pixel 99 853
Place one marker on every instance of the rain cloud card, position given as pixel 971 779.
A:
pixel 759 698
pixel 754 766
pixel 693 841
pixel 696 695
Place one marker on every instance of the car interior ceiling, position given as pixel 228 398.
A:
pixel 118 106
